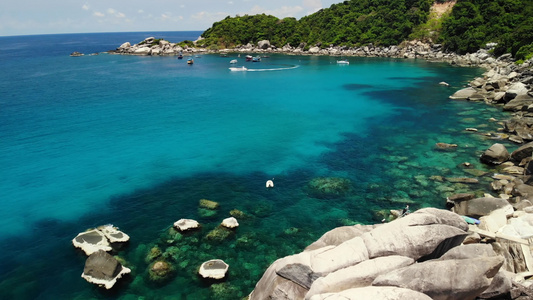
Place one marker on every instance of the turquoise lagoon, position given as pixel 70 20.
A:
pixel 138 141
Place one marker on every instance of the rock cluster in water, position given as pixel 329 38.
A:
pixel 101 268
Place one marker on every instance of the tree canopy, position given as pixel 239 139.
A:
pixel 470 25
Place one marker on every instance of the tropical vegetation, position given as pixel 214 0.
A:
pixel 466 28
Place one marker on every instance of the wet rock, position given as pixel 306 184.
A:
pixel 208 204
pixel 329 187
pixel 219 234
pixel 153 254
pixel 462 180
pixel 103 269
pixel 214 269
pixel 445 146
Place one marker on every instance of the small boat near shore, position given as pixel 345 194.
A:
pixel 256 59
pixel 233 61
pixel 343 62
pixel 249 58
pixel 190 61
pixel 238 69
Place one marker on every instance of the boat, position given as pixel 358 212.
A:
pixel 233 61
pixel 256 59
pixel 238 69
pixel 180 56
pixel 190 61
pixel 343 62
pixel 249 58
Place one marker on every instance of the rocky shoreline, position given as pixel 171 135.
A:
pixel 429 254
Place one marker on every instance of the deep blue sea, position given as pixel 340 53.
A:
pixel 137 141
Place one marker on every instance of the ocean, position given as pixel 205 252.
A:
pixel 137 141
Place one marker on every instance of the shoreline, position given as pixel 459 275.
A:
pixel 504 84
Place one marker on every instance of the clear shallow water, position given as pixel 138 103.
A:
pixel 138 141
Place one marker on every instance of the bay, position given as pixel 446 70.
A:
pixel 137 141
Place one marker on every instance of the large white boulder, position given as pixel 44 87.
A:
pixel 451 279
pixel 91 241
pixel 186 224
pixel 113 234
pixel 230 223
pixel 215 269
pixel 359 275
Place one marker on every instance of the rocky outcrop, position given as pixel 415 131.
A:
pixel 449 279
pixel 186 224
pixel 100 238
pixel 495 155
pixel 91 241
pixel 230 223
pixel 103 269
pixel 215 269
pixel 420 236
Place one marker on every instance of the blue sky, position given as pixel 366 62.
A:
pixel 22 17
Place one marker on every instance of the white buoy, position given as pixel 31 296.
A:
pixel 270 184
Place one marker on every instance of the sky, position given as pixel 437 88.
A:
pixel 25 17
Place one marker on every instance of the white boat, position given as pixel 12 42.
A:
pixel 233 61
pixel 241 69
pixel 343 62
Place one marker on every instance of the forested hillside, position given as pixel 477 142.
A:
pixel 470 25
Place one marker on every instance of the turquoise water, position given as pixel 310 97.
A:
pixel 138 141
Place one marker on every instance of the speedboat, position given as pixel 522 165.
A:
pixel 249 58
pixel 239 69
pixel 190 61
pixel 343 62
pixel 256 59
pixel 233 61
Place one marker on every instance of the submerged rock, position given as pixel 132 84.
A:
pixel 329 187
pixel 160 271
pixel 219 234
pixel 103 269
pixel 208 204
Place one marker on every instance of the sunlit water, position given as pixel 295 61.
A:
pixel 138 141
